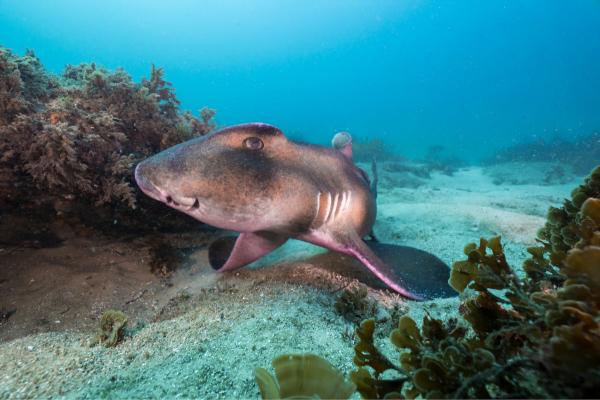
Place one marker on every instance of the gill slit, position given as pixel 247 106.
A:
pixel 318 209
pixel 328 207
pixel 342 206
pixel 334 207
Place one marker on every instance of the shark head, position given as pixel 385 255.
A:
pixel 228 179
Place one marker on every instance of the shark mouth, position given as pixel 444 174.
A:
pixel 185 204
pixel 180 203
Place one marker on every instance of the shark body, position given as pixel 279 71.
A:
pixel 251 179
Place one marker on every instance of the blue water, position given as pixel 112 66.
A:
pixel 469 75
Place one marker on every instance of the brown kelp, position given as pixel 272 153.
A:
pixel 111 330
pixel 565 228
pixel 521 340
pixel 364 150
pixel 69 143
pixel 305 376
pixel 582 154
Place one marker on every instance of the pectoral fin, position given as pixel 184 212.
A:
pixel 411 272
pixel 228 252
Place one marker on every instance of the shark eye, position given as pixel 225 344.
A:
pixel 253 143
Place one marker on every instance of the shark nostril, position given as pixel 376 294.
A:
pixel 169 200
pixel 196 204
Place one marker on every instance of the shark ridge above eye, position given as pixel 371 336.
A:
pixel 284 198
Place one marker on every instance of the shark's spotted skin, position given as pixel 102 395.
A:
pixel 251 179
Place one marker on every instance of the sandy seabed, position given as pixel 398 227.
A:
pixel 197 334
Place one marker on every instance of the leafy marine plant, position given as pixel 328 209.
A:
pixel 521 341
pixel 23 84
pixel 164 258
pixel 364 150
pixel 354 304
pixel 367 354
pixel 581 154
pixel 112 327
pixel 306 376
pixel 565 228
pixel 76 138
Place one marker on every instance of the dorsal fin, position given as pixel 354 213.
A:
pixel 347 151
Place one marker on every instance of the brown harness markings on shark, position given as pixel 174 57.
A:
pixel 251 179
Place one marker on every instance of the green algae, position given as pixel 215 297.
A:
pixel 112 327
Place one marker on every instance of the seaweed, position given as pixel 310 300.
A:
pixel 77 138
pixel 438 361
pixel 420 172
pixel 23 84
pixel 354 305
pixel 163 257
pixel 364 150
pixel 111 330
pixel 160 87
pixel 547 338
pixel 367 354
pixel 522 340
pixel 33 74
pixel 305 376
pixel 557 174
pixel 200 126
pixel 446 165
pixel 446 169
pixel 564 230
pixel 582 155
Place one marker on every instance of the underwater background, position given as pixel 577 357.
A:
pixel 471 77
pixel 483 117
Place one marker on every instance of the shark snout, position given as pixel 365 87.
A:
pixel 181 203
pixel 145 185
